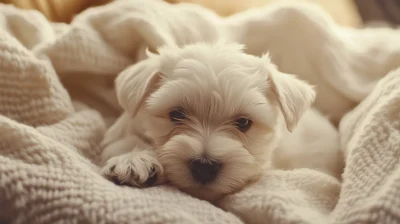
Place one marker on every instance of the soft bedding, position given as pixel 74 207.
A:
pixel 57 100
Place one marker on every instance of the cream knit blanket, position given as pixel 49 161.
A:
pixel 57 99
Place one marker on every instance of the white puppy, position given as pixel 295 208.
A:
pixel 205 117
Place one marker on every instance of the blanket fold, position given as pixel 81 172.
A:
pixel 57 99
pixel 371 180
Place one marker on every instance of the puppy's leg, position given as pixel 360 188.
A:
pixel 128 160
pixel 137 167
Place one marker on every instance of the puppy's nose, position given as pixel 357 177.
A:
pixel 204 170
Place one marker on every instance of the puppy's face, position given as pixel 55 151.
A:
pixel 213 112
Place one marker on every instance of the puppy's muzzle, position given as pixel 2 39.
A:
pixel 204 170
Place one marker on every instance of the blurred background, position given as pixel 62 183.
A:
pixel 353 13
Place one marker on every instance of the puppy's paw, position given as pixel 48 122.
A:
pixel 136 168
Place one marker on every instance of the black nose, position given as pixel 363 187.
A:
pixel 204 170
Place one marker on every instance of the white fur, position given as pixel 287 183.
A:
pixel 314 144
pixel 215 84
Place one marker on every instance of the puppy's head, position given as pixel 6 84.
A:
pixel 214 113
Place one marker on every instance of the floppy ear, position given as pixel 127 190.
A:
pixel 294 96
pixel 135 84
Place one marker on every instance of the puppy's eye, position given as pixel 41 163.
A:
pixel 243 124
pixel 177 115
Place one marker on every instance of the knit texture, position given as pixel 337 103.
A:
pixel 57 100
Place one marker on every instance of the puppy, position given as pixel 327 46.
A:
pixel 205 117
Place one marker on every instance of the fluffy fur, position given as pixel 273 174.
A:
pixel 215 84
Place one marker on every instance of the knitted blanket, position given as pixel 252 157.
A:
pixel 57 99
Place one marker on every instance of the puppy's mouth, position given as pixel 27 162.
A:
pixel 210 191
pixel 209 180
pixel 207 175
pixel 203 192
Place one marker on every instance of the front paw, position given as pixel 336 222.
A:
pixel 136 168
